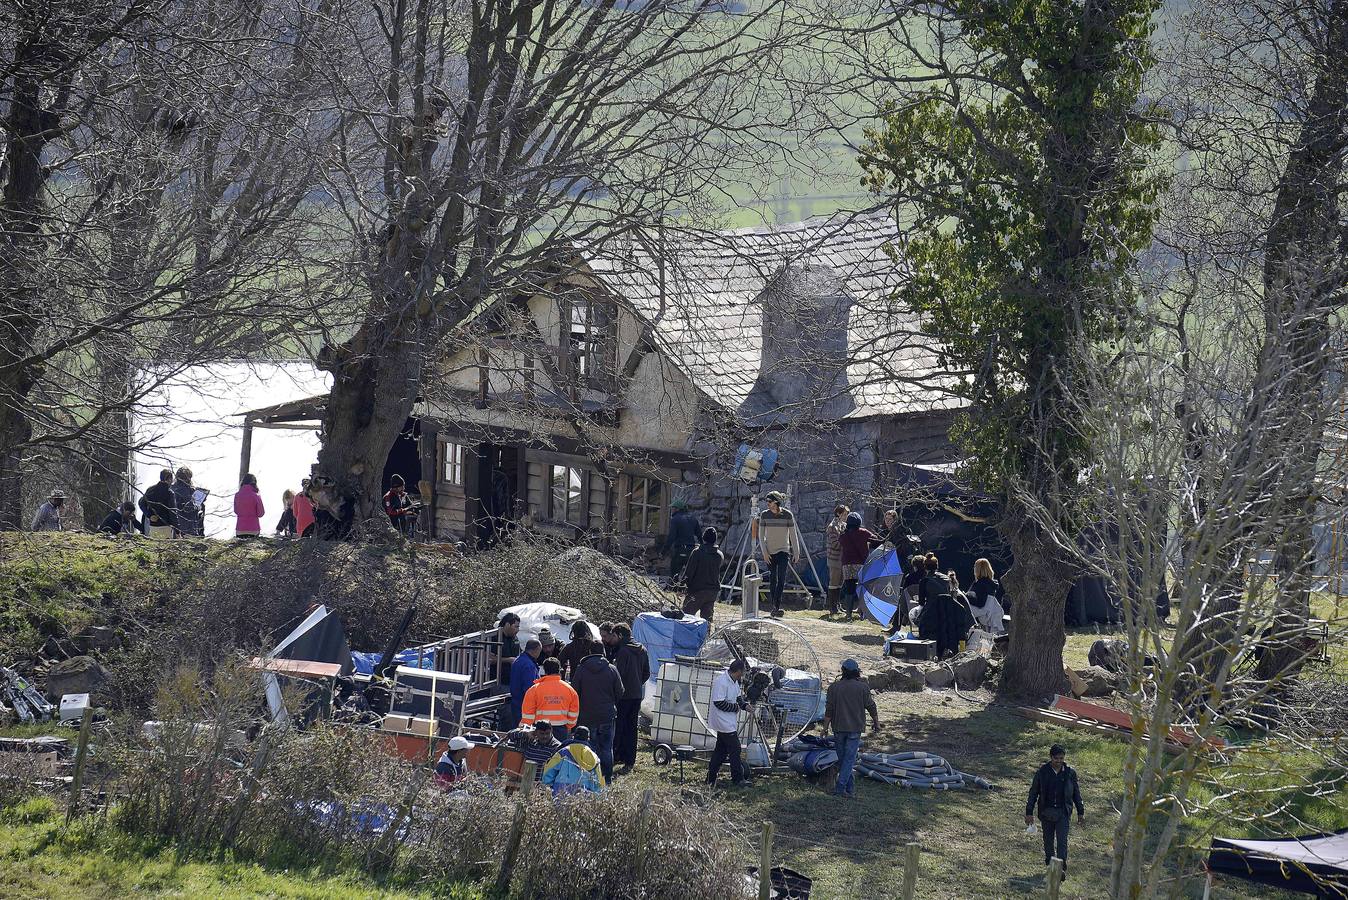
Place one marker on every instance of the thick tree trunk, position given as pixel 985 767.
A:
pixel 376 379
pixel 15 430
pixel 29 128
pixel 1037 584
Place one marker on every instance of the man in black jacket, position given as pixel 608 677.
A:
pixel 683 531
pixel 161 507
pixel 634 666
pixel 1054 792
pixel 189 518
pixel 599 687
pixel 702 577
pixel 121 520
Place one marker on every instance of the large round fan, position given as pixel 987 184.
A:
pixel 782 681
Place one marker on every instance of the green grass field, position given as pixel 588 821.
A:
pixel 40 859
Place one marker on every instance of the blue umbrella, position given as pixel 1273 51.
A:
pixel 880 583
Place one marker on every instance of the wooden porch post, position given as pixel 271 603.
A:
pixel 246 453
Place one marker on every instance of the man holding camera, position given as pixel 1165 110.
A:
pixel 723 717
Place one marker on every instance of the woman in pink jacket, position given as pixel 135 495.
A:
pixel 248 507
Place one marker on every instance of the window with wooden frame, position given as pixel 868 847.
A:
pixel 567 501
pixel 590 340
pixel 645 504
pixel 451 463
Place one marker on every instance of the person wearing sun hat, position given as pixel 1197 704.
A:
pixel 48 516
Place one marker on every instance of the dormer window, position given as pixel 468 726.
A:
pixel 589 325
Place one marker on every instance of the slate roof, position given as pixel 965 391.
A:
pixel 708 319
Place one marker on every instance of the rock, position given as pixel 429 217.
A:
pixel 97 639
pixel 970 668
pixel 940 677
pixel 1100 682
pixel 1075 684
pixel 897 677
pixel 1109 654
pixel 77 675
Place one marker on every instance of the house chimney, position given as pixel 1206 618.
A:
pixel 805 346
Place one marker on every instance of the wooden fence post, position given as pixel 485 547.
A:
pixel 512 849
pixel 248 788
pixel 528 777
pixel 1054 877
pixel 765 864
pixel 81 752
pixel 388 844
pixel 910 857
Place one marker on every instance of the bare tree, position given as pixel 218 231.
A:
pixel 482 141
pixel 160 170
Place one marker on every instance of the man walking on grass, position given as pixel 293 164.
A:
pixel 845 707
pixel 1054 792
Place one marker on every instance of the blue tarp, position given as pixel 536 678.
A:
pixel 365 662
pixel 666 638
pixel 879 583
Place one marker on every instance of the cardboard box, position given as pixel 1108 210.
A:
pixel 396 723
pixel 423 725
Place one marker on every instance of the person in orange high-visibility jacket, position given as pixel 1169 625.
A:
pixel 551 700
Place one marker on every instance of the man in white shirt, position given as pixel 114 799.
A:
pixel 723 717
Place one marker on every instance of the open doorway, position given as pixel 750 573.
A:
pixel 499 488
pixel 404 458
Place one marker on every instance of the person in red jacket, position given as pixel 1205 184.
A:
pixel 399 506
pixel 855 545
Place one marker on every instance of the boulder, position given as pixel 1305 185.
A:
pixel 897 677
pixel 1109 654
pixel 97 639
pixel 939 676
pixel 970 667
pixel 77 675
pixel 1075 684
pixel 1099 682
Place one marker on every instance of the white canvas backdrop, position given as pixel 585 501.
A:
pixel 194 420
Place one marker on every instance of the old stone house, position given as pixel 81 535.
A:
pixel 629 378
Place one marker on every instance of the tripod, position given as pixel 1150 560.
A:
pixel 748 547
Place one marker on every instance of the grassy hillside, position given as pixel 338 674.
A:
pixel 197 598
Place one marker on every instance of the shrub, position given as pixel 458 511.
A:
pixel 336 795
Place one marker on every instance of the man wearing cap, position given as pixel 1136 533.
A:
pixel 452 767
pixel 48 516
pixel 1054 792
pixel 702 576
pixel 552 648
pixel 723 717
pixel 781 547
pixel 845 707
pixel 683 531
pixel 551 700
